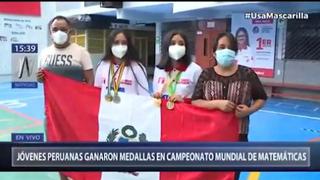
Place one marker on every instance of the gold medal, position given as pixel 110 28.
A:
pixel 116 82
pixel 170 105
pixel 116 99
pixel 108 97
pixel 171 87
pixel 157 101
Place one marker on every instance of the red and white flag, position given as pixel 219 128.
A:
pixel 77 112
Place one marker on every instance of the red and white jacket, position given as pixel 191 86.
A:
pixel 128 82
pixel 186 84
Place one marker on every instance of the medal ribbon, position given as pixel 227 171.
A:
pixel 172 83
pixel 116 84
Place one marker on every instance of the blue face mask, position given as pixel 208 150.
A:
pixel 225 57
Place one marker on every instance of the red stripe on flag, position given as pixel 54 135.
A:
pixel 187 123
pixel 69 107
pixel 21 8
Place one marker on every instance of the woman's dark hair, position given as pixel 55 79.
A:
pixel 245 32
pixel 231 38
pixel 131 54
pixel 165 61
pixel 59 18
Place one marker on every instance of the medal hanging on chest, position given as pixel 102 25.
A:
pixel 172 86
pixel 116 98
pixel 108 97
pixel 115 83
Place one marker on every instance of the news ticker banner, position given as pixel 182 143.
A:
pixel 156 156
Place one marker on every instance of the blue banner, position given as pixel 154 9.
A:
pixel 27 137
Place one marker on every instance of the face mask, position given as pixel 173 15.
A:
pixel 119 50
pixel 225 57
pixel 60 37
pixel 177 51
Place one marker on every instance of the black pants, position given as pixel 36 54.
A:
pixel 242 138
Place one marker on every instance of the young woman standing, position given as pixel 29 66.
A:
pixel 176 75
pixel 120 70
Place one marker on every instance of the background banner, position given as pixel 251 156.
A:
pixel 256 43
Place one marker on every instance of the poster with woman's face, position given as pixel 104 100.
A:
pixel 256 43
pixel 245 56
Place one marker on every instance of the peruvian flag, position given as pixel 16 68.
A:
pixel 78 112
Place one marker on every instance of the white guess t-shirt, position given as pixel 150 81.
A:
pixel 185 85
pixel 129 80
pixel 73 55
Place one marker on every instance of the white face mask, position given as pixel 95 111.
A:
pixel 60 37
pixel 119 50
pixel 177 51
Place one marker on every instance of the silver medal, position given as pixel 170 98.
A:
pixel 116 99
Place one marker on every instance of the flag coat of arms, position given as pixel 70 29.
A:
pixel 77 112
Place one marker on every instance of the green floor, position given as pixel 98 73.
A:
pixel 29 176
pixel 10 122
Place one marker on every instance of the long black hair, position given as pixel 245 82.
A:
pixel 131 54
pixel 166 61
pixel 245 32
